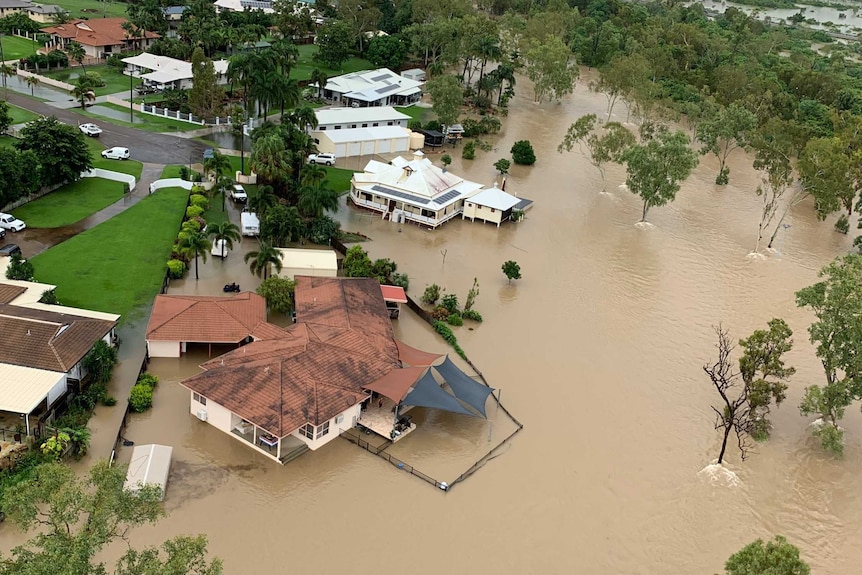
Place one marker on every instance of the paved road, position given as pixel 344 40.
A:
pixel 147 147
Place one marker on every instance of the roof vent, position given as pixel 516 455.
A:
pixel 222 362
pixel 28 332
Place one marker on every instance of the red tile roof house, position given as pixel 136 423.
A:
pixel 294 389
pixel 100 37
pixel 42 348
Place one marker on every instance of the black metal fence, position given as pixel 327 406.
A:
pixel 397 463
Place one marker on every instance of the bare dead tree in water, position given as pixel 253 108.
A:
pixel 735 415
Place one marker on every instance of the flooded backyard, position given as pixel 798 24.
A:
pixel 597 350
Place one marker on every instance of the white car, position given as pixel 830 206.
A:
pixel 328 159
pixel 237 193
pixel 10 222
pixel 116 153
pixel 91 130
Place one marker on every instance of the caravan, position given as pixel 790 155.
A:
pixel 250 223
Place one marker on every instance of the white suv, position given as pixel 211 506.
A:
pixel 237 193
pixel 328 159
pixel 10 222
pixel 116 153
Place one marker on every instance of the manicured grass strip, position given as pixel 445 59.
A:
pixel 171 172
pixel 15 48
pixel 20 115
pixel 115 81
pixel 416 113
pixel 71 203
pixel 119 265
pixel 92 8
pixel 339 178
pixel 144 122
pixel 305 64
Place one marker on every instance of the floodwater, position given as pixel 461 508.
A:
pixel 851 20
pixel 597 350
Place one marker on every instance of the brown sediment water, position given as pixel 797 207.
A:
pixel 597 350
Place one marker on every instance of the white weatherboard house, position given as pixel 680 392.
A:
pixel 348 118
pixel 303 262
pixel 411 190
pixel 493 205
pixel 381 87
pixel 162 72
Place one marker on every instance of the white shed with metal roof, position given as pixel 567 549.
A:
pixel 150 465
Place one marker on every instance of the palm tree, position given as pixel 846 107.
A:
pixel 262 259
pixel 289 94
pixel 488 49
pixel 221 188
pixel 32 81
pixel 218 163
pixel 83 91
pixel 76 52
pixel 7 71
pixel 505 72
pixel 313 174
pixel 304 118
pixel 196 245
pixel 226 232
pixel 269 159
pixel 262 201
pixel 314 200
pixel 319 78
pixel 239 70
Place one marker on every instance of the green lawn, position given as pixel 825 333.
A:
pixel 131 167
pixel 339 178
pixel 306 64
pixel 7 141
pixel 71 203
pixel 143 122
pixel 20 115
pixel 114 79
pixel 92 8
pixel 214 213
pixel 171 172
pixel 15 48
pixel 416 113
pixel 119 265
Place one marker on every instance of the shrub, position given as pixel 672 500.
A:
pixel 109 401
pixel 433 125
pixel 843 224
pixel 49 297
pixel 323 230
pixel 431 294
pixel 454 319
pixel 199 200
pixel 400 280
pixel 141 398
pixel 115 61
pixel 469 151
pixel 95 79
pixel 450 302
pixel 414 125
pixel 472 314
pixel 446 159
pixel 55 445
pixel 191 226
pixel 19 269
pixel 450 338
pixel 185 174
pixel 79 437
pixel 440 313
pixel 194 211
pixel 472 295
pixel 176 269
pixel 523 154
pixel 148 379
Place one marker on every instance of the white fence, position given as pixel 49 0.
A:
pixel 177 183
pixel 119 102
pixel 182 117
pixel 45 80
pixel 111 175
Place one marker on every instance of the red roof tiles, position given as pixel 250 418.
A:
pixel 94 32
pixel 206 319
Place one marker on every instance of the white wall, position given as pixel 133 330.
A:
pixel 348 420
pixel 58 390
pixel 473 210
pixel 218 416
pixel 163 348
pixel 290 273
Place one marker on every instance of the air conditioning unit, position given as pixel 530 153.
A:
pixel 339 419
pixel 202 414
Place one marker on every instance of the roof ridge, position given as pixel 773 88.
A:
pixel 166 320
pixel 57 355
pixel 280 399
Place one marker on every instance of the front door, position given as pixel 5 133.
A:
pixel 391 205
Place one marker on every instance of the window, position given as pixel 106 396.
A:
pixel 322 430
pixel 492 210
pixel 307 430
pixel 339 419
pixel 199 398
pixel 375 124
pixel 352 125
pixel 469 205
pixel 337 127
pixel 322 128
pixel 364 125
pixel 389 123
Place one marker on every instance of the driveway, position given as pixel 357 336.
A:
pixel 147 147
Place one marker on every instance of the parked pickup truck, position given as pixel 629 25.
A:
pixel 328 159
pixel 10 222
pixel 237 193
pixel 91 130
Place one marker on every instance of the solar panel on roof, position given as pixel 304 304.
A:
pixel 450 195
pixel 402 195
pixel 385 89
pixel 381 77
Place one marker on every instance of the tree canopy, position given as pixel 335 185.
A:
pixel 61 150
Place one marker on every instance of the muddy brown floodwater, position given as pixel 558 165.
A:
pixel 597 350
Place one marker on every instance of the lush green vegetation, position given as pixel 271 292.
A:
pixel 339 178
pixel 416 113
pixel 70 203
pixel 15 47
pixel 306 64
pixel 20 115
pixel 95 269
pixel 171 172
pixel 92 8
pixel 115 81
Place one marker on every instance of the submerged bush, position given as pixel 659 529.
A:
pixel 141 398
pixel 431 294
pixel 455 320
pixel 472 314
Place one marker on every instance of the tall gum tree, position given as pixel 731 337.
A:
pixel 723 133
pixel 599 149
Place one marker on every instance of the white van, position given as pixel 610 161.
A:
pixel 250 223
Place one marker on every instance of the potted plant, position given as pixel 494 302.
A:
pixel 19 431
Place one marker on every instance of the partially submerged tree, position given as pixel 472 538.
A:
pixel 78 517
pixel 598 149
pixel 836 301
pixel 724 132
pixel 776 557
pixel 620 78
pixel 747 394
pixel 773 161
pixel 447 95
pixel 278 293
pixel 511 270
pixel 656 167
pixel 261 260
pixel 552 68
pixel 826 171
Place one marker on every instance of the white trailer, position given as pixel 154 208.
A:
pixel 250 224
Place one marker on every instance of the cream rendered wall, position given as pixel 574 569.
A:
pixel 324 144
pixel 472 210
pixel 163 348
pixel 291 273
pixel 218 416
pixel 348 419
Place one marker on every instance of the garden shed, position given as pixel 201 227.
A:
pixel 150 465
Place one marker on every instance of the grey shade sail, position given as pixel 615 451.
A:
pixel 428 393
pixel 464 387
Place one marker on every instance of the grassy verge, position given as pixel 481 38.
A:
pixel 214 213
pixel 119 265
pixel 15 48
pixel 20 115
pixel 339 179
pixel 7 141
pixel 71 203
pixel 92 8
pixel 171 172
pixel 305 64
pixel 131 167
pixel 416 113
pixel 115 80
pixel 144 122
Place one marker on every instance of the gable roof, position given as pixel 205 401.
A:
pixel 9 292
pixel 372 85
pixel 495 198
pixel 95 32
pixel 316 368
pixel 47 340
pixel 327 116
pixel 209 319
